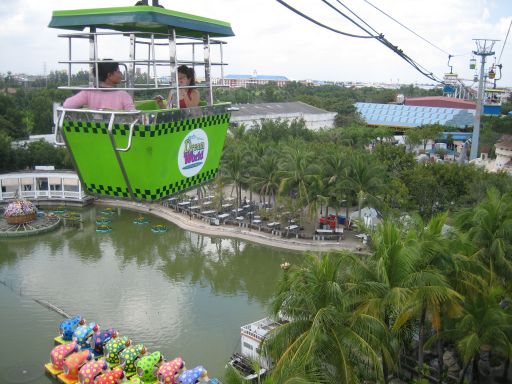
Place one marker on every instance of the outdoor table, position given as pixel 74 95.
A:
pixel 209 197
pixel 292 227
pixel 239 218
pixel 227 205
pixel 339 230
pixel 206 203
pixel 257 217
pixel 195 207
pixel 229 198
pixel 210 212
pixel 273 224
pixel 183 203
pixel 236 210
pixel 171 199
pixel 256 221
pixel 247 206
pixel 223 216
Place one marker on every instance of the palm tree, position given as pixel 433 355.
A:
pixel 322 334
pixel 484 327
pixel 235 170
pixel 298 172
pixel 489 227
pixel 431 293
pixel 364 177
pixel 265 176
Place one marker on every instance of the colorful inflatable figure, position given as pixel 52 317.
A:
pixel 82 334
pixel 129 356
pixel 57 356
pixel 72 364
pixel 99 339
pixel 193 376
pixel 111 377
pixel 147 367
pixel 67 327
pixel 113 347
pixel 168 372
pixel 89 371
pixel 135 380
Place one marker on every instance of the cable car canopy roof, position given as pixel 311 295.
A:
pixel 140 19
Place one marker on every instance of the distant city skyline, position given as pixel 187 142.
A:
pixel 272 40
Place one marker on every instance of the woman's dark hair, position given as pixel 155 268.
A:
pixel 106 67
pixel 189 72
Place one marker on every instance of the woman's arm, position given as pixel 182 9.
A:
pixel 191 98
pixel 76 101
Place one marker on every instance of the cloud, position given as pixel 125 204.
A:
pixel 273 40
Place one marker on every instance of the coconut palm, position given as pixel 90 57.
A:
pixel 265 176
pixel 364 177
pixel 322 333
pixel 431 293
pixel 234 170
pixel 484 326
pixel 488 227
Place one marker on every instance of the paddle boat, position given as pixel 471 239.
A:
pixel 149 153
pixel 103 221
pixel 114 347
pixel 113 376
pixel 72 364
pixel 147 367
pixel 169 371
pixel 56 365
pixel 103 228
pixel 99 339
pixel 128 357
pixel 67 327
pixel 90 370
pixel 82 334
pixel 108 211
pixel 160 228
pixel 140 220
pixel 194 375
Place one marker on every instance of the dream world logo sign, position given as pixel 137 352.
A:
pixel 193 152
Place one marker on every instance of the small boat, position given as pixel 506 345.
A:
pixel 141 220
pixel 160 228
pixel 103 228
pixel 244 368
pixel 108 211
pixel 103 221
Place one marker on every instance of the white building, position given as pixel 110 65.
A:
pixel 41 185
pixel 315 118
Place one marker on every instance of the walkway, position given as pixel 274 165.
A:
pixel 350 243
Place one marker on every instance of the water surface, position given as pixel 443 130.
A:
pixel 178 292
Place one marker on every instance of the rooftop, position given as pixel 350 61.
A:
pixel 257 77
pixel 275 108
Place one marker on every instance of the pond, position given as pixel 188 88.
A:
pixel 178 292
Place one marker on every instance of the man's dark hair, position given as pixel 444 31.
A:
pixel 105 68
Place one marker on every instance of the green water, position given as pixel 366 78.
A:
pixel 178 292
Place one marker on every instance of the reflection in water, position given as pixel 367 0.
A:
pixel 178 292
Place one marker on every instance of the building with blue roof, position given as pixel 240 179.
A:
pixel 400 116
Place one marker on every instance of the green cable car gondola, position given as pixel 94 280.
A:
pixel 149 153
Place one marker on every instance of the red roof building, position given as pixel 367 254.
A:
pixel 440 101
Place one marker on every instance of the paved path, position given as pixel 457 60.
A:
pixel 194 225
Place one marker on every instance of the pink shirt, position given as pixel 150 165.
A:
pixel 96 99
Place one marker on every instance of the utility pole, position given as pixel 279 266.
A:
pixel 483 48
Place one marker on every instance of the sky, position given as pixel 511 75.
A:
pixel 272 40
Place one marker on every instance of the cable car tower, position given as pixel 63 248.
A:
pixel 484 49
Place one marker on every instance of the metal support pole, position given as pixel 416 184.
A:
pixel 207 70
pixel 174 100
pixel 484 49
pixel 93 67
pixel 131 75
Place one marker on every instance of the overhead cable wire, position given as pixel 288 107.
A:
pixel 410 30
pixel 425 72
pixel 505 42
pixel 323 25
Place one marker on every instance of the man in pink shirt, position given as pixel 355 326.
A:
pixel 109 76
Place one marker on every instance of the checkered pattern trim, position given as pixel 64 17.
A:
pixel 85 127
pixel 107 190
pixel 178 186
pixel 151 130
